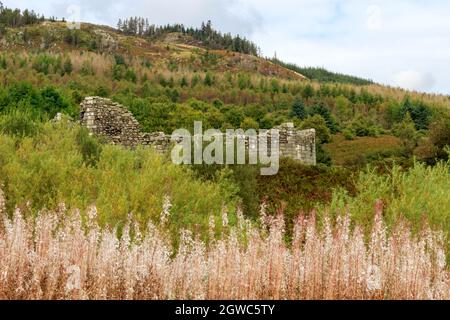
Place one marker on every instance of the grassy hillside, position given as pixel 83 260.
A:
pixel 168 83
pixel 345 152
pixel 103 208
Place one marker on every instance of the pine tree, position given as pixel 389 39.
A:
pixel 320 109
pixel 298 109
pixel 421 115
pixel 208 79
pixel 183 82
pixel 406 131
pixel 209 37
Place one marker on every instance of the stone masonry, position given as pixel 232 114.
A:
pixel 114 122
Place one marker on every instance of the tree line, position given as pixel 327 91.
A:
pixel 206 34
pixel 16 18
pixel 322 75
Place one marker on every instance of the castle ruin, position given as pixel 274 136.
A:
pixel 114 122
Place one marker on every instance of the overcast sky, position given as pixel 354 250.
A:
pixel 400 43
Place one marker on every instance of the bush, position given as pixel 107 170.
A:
pixel 89 147
pixel 68 67
pixel 130 75
pixel 298 109
pixel 23 92
pixel 322 156
pixel 3 63
pixel 419 194
pixel 45 64
pixel 348 134
pixel 300 188
pixel 435 146
pixel 317 122
pixel 102 91
pixel 19 123
pixel 119 59
pixel 118 72
pixel 320 109
pixel 406 131
pixel 361 127
pixel 53 102
pixel 50 168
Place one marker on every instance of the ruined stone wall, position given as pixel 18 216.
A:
pixel 297 144
pixel 114 122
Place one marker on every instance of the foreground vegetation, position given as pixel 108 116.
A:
pixel 62 163
pixel 54 257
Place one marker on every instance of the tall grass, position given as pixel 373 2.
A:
pixel 57 256
pixel 419 194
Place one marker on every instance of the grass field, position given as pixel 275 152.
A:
pixel 348 152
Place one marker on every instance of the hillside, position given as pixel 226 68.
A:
pixel 167 82
pixel 132 224
pixel 171 51
pixel 170 80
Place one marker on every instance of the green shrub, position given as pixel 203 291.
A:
pixel 317 122
pixel 67 67
pixel 118 72
pixel 130 75
pixel 319 108
pixel 363 127
pixel 301 188
pixel 119 59
pixel 45 64
pixel 322 156
pixel 435 146
pixel 102 91
pixel 50 168
pixel 348 134
pixel 419 194
pixel 3 62
pixel 53 102
pixel 23 92
pixel 87 69
pixel 19 123
pixel 89 147
pixel 298 109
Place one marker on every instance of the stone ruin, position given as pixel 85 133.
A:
pixel 114 122
pixel 117 125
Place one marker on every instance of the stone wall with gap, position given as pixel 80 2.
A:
pixel 117 125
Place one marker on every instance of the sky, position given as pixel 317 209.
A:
pixel 399 43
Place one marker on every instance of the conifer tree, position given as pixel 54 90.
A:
pixel 298 109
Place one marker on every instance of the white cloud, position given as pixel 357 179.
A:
pixel 373 39
pixel 374 18
pixel 415 80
